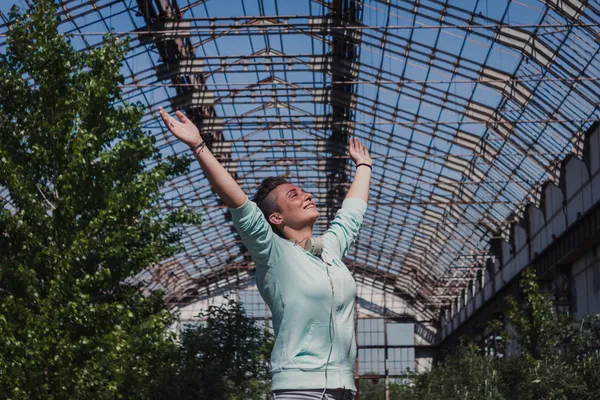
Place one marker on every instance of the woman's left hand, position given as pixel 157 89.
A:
pixel 359 152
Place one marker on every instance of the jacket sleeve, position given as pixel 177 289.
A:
pixel 345 226
pixel 256 233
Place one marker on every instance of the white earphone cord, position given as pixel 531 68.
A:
pixel 331 330
pixel 315 246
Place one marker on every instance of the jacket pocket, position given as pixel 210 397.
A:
pixel 315 347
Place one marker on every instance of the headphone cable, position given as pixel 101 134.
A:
pixel 331 329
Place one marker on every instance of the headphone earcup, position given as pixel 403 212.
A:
pixel 315 245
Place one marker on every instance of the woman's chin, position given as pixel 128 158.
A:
pixel 311 214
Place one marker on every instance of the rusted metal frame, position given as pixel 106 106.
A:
pixel 323 78
pixel 192 291
pixel 189 6
pixel 215 277
pixel 411 228
pixel 425 193
pixel 255 71
pixel 411 278
pixel 428 283
pixel 388 284
pixel 437 50
pixel 243 251
pixel 184 265
pixel 418 222
pixel 78 28
pixel 235 31
pixel 444 98
pixel 95 8
pixel 370 137
pixel 314 182
pixel 133 22
pixel 392 204
pixel 191 260
pixel 477 190
pixel 589 6
pixel 242 62
pixel 176 269
pixel 286 79
pixel 184 202
pixel 390 231
pixel 217 288
pixel 425 132
pixel 398 277
pixel 238 96
pixel 475 155
pixel 213 247
pixel 389 84
pixel 204 235
pixel 184 48
pixel 447 6
pixel 257 123
pixel 414 155
pixel 316 36
pixel 261 87
pixel 316 150
pixel 85 25
pixel 189 294
pixel 564 99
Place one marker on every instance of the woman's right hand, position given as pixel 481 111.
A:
pixel 185 130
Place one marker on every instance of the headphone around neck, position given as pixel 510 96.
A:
pixel 314 245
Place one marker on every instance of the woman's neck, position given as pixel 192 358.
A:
pixel 299 236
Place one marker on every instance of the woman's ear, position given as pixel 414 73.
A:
pixel 276 219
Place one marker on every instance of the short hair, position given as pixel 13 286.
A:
pixel 266 203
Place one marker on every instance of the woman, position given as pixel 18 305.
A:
pixel 303 280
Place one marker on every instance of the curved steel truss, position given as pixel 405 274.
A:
pixel 466 108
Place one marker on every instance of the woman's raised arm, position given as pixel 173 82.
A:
pixel 360 155
pixel 223 184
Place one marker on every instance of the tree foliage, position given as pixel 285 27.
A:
pixel 227 356
pixel 374 389
pixel 80 216
pixel 557 359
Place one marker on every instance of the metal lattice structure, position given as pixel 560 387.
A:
pixel 466 108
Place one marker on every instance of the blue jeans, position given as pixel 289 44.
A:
pixel 313 394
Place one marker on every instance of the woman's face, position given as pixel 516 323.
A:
pixel 297 207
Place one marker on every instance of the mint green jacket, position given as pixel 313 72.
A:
pixel 295 286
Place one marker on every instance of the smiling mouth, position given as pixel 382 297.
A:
pixel 309 206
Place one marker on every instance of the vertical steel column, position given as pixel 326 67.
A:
pixel 343 68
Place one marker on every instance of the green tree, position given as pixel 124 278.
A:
pixel 225 357
pixel 558 359
pixel 80 217
pixel 374 389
